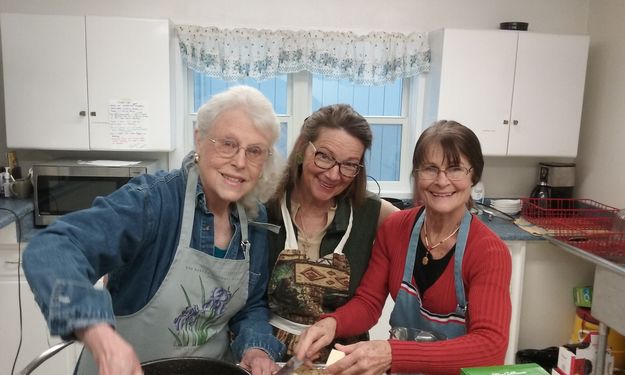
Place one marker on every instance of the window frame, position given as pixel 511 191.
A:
pixel 299 106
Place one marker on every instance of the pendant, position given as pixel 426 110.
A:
pixel 425 260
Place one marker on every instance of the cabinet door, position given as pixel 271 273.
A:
pixel 45 81
pixel 548 94
pixel 129 84
pixel 477 75
pixel 34 332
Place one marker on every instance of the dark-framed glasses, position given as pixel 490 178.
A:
pixel 327 161
pixel 453 173
pixel 229 148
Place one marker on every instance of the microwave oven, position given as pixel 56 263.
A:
pixel 64 186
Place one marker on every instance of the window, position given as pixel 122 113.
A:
pixel 295 96
pixel 382 106
pixel 275 90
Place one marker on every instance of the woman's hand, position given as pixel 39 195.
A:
pixel 363 358
pixel 258 362
pixel 112 354
pixel 314 338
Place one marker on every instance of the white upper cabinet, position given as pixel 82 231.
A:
pixel 87 83
pixel 520 92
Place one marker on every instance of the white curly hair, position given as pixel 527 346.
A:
pixel 260 111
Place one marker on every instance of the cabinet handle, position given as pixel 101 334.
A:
pixel 93 113
pixel 515 122
pixel 82 113
pixel 12 262
pixel 505 122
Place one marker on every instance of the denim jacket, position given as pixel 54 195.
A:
pixel 132 235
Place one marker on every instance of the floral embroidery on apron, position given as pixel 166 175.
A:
pixel 191 325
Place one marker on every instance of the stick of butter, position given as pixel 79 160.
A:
pixel 334 356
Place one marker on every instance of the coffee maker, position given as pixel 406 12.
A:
pixel 555 180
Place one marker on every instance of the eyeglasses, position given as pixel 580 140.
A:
pixel 455 173
pixel 327 161
pixel 229 148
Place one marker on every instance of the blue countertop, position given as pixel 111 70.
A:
pixel 23 208
pixel 506 230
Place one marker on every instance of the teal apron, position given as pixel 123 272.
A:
pixel 409 312
pixel 189 313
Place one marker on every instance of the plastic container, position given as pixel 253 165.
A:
pixel 478 192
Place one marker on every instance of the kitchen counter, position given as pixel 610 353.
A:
pixel 507 230
pixel 23 208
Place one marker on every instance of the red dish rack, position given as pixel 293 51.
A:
pixel 583 223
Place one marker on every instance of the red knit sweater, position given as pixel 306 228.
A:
pixel 486 270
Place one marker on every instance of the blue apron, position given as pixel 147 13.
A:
pixel 409 312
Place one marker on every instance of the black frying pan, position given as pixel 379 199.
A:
pixel 165 366
pixel 191 366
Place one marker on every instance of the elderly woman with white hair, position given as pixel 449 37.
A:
pixel 184 251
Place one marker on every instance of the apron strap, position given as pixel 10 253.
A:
pixel 245 243
pixel 341 245
pixel 291 238
pixel 461 243
pixel 189 204
pixel 412 249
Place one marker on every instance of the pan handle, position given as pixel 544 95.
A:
pixel 44 356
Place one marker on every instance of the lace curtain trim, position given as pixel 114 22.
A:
pixel 372 59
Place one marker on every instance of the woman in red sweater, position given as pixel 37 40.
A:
pixel 447 272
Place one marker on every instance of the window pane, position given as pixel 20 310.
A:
pixel 275 89
pixel 383 159
pixel 367 100
pixel 281 146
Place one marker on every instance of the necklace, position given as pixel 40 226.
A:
pixel 425 260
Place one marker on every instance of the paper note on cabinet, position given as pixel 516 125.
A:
pixel 128 123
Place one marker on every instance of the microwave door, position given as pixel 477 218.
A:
pixel 59 195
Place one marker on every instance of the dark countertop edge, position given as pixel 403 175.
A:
pixel 619 268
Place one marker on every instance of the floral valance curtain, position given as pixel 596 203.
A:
pixel 234 54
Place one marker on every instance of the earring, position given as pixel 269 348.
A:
pixel 196 157
pixel 299 158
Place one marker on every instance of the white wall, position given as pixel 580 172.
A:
pixel 503 177
pixel 601 158
pixel 564 16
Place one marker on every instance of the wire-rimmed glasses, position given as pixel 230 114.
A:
pixel 327 161
pixel 453 173
pixel 229 148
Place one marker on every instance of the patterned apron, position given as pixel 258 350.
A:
pixel 300 290
pixel 408 311
pixel 189 314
